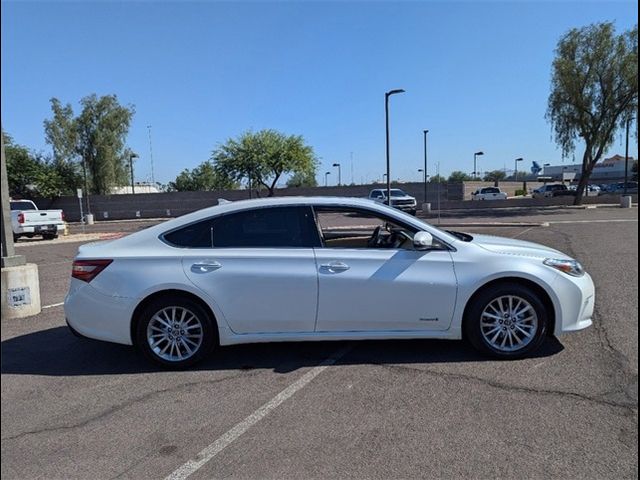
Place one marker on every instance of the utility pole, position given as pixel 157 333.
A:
pixel 626 157
pixel 153 177
pixel 9 257
pixel 425 170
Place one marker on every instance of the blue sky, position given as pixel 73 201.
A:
pixel 476 74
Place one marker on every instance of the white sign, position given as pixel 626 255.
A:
pixel 19 296
pixel 79 193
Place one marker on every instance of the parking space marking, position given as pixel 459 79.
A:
pixel 209 452
pixel 522 232
pixel 53 305
pixel 613 220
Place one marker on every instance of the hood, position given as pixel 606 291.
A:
pixel 511 246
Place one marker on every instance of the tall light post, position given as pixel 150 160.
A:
pixel 132 155
pixel 386 116
pixel 515 175
pixel 326 176
pixel 425 165
pixel 339 173
pixel 475 164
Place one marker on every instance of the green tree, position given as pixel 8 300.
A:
pixel 22 168
pixel 594 89
pixel 437 179
pixel 459 177
pixel 31 175
pixel 204 177
pixel 495 176
pixel 263 157
pixel 302 179
pixel 95 139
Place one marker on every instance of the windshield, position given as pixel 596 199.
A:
pixel 396 192
pixel 22 206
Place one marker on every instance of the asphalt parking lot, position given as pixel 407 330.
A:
pixel 74 408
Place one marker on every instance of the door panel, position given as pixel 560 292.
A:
pixel 385 289
pixel 258 290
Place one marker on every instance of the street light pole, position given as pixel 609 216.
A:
pixel 131 157
pixel 326 175
pixel 475 164
pixel 386 115
pixel 516 169
pixel 425 164
pixel 339 173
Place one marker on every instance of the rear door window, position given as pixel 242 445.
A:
pixel 273 227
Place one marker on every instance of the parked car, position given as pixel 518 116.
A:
pixel 306 269
pixel 28 221
pixel 488 193
pixel 618 188
pixel 553 190
pixel 399 199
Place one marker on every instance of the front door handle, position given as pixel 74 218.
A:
pixel 335 267
pixel 205 267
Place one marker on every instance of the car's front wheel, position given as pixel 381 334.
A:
pixel 507 321
pixel 175 332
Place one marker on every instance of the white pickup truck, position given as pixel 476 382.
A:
pixel 28 221
pixel 488 193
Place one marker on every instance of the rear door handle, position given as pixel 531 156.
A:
pixel 205 267
pixel 335 267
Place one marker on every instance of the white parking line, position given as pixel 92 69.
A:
pixel 613 220
pixel 235 432
pixel 53 305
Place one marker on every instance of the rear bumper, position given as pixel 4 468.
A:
pixel 21 230
pixel 95 315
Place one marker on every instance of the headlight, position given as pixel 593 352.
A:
pixel 570 267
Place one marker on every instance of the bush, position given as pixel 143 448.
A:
pixel 520 192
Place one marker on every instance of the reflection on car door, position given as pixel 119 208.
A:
pixel 373 289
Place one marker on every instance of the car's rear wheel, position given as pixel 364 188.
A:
pixel 175 332
pixel 508 321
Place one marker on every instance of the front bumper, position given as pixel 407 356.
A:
pixel 577 297
pixel 98 316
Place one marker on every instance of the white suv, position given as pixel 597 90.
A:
pixel 399 199
pixel 488 193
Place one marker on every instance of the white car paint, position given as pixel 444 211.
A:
pixel 292 294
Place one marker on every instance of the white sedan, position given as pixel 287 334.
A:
pixel 298 269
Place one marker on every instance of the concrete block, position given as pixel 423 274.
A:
pixel 625 201
pixel 20 291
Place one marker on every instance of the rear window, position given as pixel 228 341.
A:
pixel 22 206
pixel 259 228
pixel 490 190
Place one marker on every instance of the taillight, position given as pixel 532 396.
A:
pixel 21 218
pixel 87 270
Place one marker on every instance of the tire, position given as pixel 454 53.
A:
pixel 154 325
pixel 15 238
pixel 498 335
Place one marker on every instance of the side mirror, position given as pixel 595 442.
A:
pixel 422 241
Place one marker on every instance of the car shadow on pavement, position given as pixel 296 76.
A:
pixel 57 352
